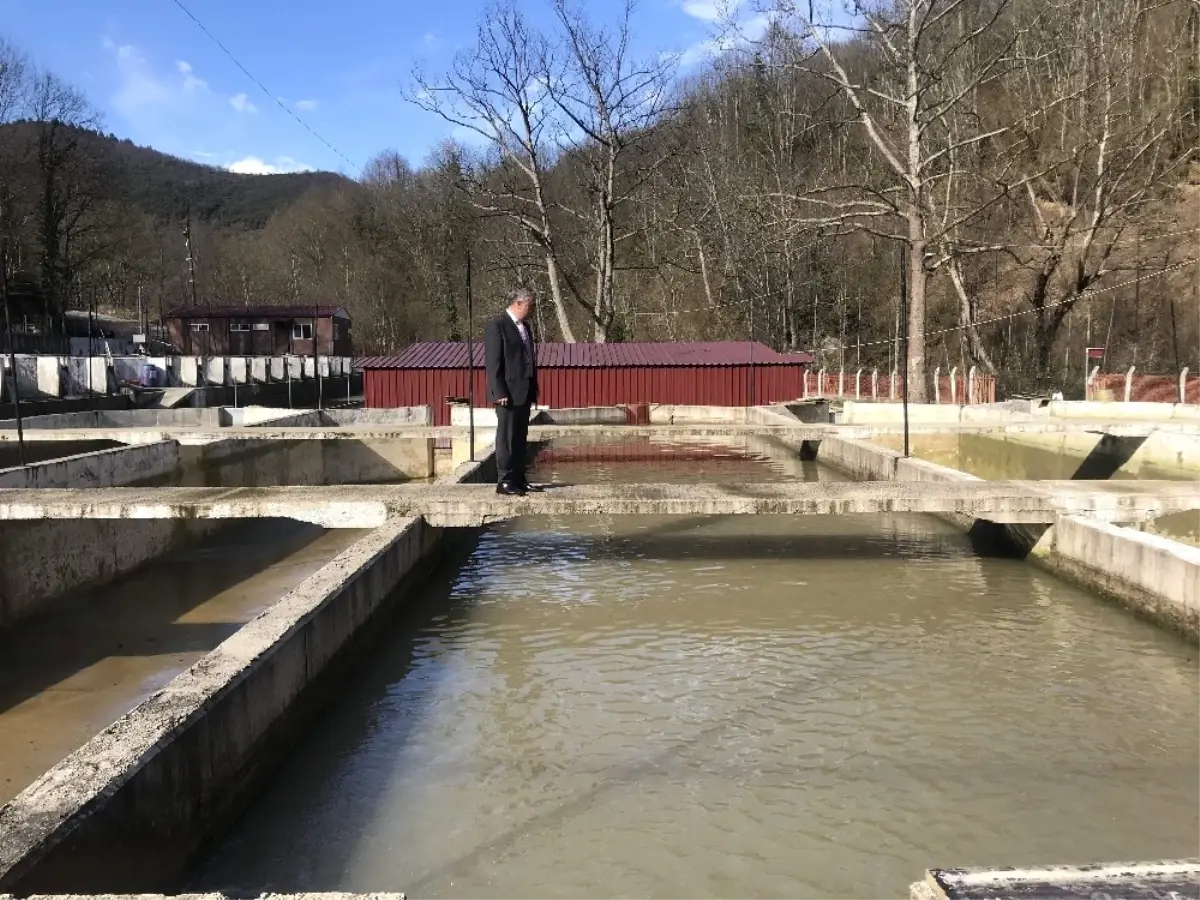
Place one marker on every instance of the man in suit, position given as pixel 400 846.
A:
pixel 510 358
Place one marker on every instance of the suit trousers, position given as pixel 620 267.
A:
pixel 512 443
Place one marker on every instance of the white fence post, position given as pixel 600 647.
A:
pixel 1183 385
pixel 858 385
pixel 954 386
pixel 970 385
pixel 937 384
pixel 1129 384
pixel 821 382
pixel 892 386
pixel 874 384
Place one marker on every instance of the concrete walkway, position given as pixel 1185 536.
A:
pixel 364 506
pixel 1150 880
pixel 792 433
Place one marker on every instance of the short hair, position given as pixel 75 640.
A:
pixel 518 294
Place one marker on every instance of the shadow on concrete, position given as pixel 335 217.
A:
pixel 1103 462
pixel 1105 459
pixel 137 615
pixel 323 794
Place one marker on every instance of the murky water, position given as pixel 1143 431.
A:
pixel 71 672
pixel 740 706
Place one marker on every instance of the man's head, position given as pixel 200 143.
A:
pixel 520 303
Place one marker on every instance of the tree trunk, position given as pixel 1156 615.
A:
pixel 560 308
pixel 918 280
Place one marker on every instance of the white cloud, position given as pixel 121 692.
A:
pixel 242 103
pixel 306 104
pixel 141 89
pixel 191 83
pixel 706 10
pixel 431 41
pixel 738 36
pixel 253 165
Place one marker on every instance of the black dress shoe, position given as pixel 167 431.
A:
pixel 510 490
pixel 533 488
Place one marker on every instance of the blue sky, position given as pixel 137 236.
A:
pixel 160 81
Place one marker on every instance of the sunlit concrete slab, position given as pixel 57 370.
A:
pixel 795 434
pixel 1176 879
pixel 359 506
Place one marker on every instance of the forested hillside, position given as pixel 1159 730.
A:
pixel 1020 175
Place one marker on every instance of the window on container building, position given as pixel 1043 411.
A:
pixel 302 331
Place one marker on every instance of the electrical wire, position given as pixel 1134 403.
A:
pixel 1085 296
pixel 263 88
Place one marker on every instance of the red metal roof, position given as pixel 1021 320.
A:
pixel 258 311
pixel 453 355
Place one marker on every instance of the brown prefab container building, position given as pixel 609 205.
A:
pixel 579 375
pixel 259 330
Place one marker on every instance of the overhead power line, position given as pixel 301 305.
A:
pixel 1085 296
pixel 263 88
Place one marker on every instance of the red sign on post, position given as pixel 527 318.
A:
pixel 1095 353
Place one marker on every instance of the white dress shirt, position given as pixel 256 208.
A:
pixel 521 329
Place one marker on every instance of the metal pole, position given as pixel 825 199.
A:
pixel 470 362
pixel 904 380
pixel 752 394
pixel 316 356
pixel 12 355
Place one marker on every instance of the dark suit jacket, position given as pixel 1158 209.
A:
pixel 511 367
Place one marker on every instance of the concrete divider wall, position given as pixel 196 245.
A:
pixel 1151 574
pixel 130 809
pixel 1113 560
pixel 100 468
pixel 248 462
pixel 41 562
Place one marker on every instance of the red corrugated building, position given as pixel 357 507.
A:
pixel 724 373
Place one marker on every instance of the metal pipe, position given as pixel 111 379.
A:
pixel 904 381
pixel 12 354
pixel 470 362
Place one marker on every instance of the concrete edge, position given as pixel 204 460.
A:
pixel 315 895
pixel 1161 584
pixel 1150 575
pixel 67 804
pixel 113 467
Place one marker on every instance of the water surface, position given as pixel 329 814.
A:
pixel 738 706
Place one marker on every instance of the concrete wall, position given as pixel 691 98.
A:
pixel 247 462
pixel 1111 564
pixel 1150 574
pixel 129 810
pixel 100 468
pixel 1116 412
pixel 41 562
pixel 866 413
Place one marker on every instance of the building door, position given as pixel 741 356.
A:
pixel 283 334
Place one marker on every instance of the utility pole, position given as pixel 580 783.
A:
pixel 470 361
pixel 191 257
pixel 904 332
pixel 12 356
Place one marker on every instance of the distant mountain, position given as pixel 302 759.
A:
pixel 166 186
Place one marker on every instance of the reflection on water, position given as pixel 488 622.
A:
pixel 739 706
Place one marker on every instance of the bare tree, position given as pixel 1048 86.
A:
pixel 1098 165
pixel 498 90
pixel 70 185
pixel 613 106
pixel 893 77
